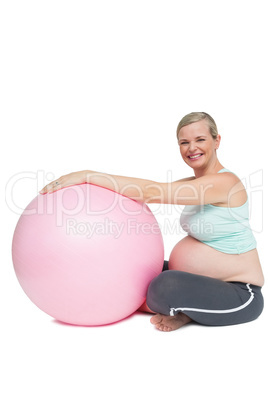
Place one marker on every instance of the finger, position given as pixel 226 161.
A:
pixel 54 186
pixel 44 190
pixel 51 187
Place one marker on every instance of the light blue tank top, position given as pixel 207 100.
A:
pixel 223 228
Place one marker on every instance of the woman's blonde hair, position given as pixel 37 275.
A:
pixel 197 116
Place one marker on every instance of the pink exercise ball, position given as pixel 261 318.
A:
pixel 85 255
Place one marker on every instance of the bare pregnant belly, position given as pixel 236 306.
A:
pixel 193 256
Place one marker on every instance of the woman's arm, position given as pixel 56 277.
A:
pixel 208 189
pixel 137 189
pixel 204 190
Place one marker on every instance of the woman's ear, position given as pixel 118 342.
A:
pixel 217 141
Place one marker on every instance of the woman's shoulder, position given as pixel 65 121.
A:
pixel 229 173
pixel 237 194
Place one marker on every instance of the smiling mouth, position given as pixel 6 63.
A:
pixel 193 157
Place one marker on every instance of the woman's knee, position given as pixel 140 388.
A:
pixel 160 288
pixel 160 283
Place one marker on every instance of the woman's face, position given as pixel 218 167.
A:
pixel 197 146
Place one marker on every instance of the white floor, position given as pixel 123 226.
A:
pixel 44 360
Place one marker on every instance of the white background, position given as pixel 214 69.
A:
pixel 102 85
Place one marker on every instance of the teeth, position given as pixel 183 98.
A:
pixel 195 156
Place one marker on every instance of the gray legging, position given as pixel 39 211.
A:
pixel 205 300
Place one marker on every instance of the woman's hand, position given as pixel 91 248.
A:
pixel 66 181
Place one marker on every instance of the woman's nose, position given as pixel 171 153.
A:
pixel 192 146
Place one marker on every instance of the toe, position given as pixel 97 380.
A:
pixel 156 319
pixel 160 327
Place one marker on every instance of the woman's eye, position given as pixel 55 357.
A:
pixel 185 142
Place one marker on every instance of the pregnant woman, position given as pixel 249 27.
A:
pixel 213 276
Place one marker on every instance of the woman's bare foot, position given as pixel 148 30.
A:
pixel 167 323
